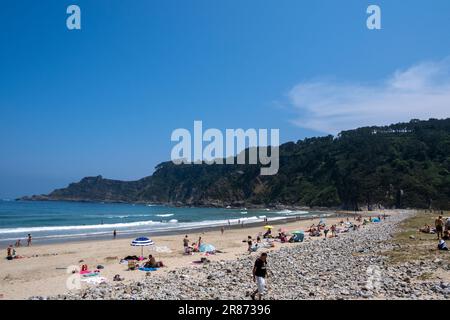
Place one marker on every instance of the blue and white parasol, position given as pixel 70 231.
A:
pixel 142 242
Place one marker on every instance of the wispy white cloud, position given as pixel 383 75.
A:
pixel 419 92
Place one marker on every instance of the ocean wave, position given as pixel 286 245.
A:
pixel 78 227
pixel 117 216
pixel 132 228
pixel 165 215
pixel 291 213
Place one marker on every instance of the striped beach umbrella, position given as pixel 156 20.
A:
pixel 142 242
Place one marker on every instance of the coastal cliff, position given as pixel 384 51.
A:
pixel 405 165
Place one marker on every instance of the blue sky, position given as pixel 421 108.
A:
pixel 105 99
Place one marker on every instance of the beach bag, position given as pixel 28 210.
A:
pixel 442 245
pixel 299 237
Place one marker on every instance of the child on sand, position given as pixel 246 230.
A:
pixel 250 244
pixel 9 255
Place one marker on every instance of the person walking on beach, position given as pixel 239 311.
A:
pixel 114 234
pixel 186 248
pixel 325 231
pixel 439 224
pixel 333 230
pixel 250 244
pixel 222 230
pixel 186 241
pixel 259 276
pixel 29 240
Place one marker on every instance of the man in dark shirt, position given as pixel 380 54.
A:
pixel 259 275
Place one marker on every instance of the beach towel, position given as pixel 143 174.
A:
pixel 86 272
pixel 95 280
pixel 160 249
pixel 147 269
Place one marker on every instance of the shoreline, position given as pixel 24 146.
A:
pixel 352 266
pixel 155 232
pixel 44 271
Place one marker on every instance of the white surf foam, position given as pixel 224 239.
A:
pixel 291 213
pixel 82 227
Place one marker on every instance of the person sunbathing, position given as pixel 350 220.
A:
pixel 425 229
pixel 131 258
pixel 152 263
pixel 268 234
pixel 315 233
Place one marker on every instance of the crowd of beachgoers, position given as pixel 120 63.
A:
pixel 346 262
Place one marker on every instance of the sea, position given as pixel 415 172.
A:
pixel 59 221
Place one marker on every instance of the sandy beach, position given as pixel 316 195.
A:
pixel 43 271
